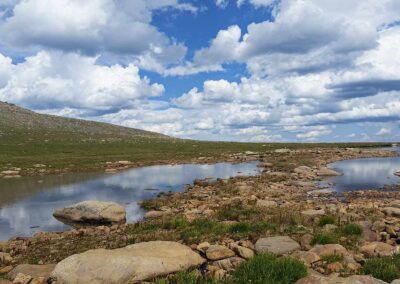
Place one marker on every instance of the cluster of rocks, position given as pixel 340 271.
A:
pixel 278 188
pixel 11 173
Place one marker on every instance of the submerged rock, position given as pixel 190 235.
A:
pixel 92 213
pixel 134 263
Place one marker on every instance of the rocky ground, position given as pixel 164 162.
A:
pixel 231 231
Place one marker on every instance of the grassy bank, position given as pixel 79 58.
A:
pixel 89 152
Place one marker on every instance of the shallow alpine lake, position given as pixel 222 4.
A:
pixel 359 174
pixel 27 204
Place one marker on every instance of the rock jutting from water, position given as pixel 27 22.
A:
pixel 92 213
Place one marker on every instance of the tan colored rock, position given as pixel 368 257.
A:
pixel 329 249
pixel 32 270
pixel 6 269
pixel 377 249
pixel 246 253
pixel 391 211
pixel 134 263
pixel 362 279
pixel 5 281
pixel 313 212
pixel 228 263
pixel 327 172
pixel 353 266
pixel 314 278
pixel 10 173
pixel 304 170
pixel 277 245
pixel 334 267
pixel 308 258
pixel 266 203
pixel 92 212
pixel 217 252
pixel 22 279
pixel 305 241
pixel 153 214
pixel 203 247
pixel 39 280
pixel 5 259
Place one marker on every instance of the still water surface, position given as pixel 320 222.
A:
pixel 368 173
pixel 27 204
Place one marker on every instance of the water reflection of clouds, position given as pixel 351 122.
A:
pixel 366 173
pixel 125 187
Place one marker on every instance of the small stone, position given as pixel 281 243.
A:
pixel 39 280
pixel 354 267
pixel 203 247
pixel 229 263
pixel 5 270
pixel 334 267
pixel 153 214
pixel 217 252
pixel 246 253
pixel 22 279
pixel 308 258
pixel 377 249
pixel 330 249
pixel 313 212
pixel 327 172
pixel 5 258
pixel 266 203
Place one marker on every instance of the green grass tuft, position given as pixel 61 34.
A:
pixel 269 269
pixel 352 230
pixel 325 220
pixel 385 268
pixel 325 238
pixel 331 258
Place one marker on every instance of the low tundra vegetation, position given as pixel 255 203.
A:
pixel 269 269
pixel 384 268
pixel 262 269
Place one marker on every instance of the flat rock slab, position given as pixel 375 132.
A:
pixel 377 249
pixel 216 252
pixel 32 270
pixel 355 279
pixel 328 172
pixel 392 211
pixel 313 212
pixel 329 249
pixel 276 245
pixel 134 263
pixel 92 213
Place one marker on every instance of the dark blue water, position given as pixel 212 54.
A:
pixel 371 173
pixel 27 204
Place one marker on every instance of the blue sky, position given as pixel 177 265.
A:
pixel 242 70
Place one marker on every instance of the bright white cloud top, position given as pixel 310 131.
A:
pixel 297 70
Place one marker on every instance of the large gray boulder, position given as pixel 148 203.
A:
pixel 134 263
pixel 92 213
pixel 277 245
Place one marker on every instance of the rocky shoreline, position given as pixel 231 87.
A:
pixel 220 226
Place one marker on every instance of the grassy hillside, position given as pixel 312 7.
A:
pixel 28 138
